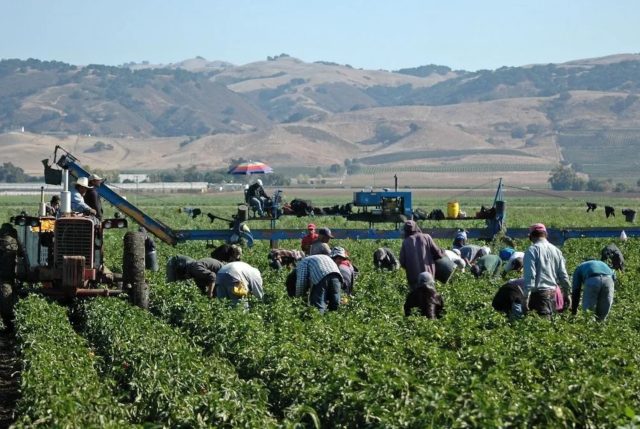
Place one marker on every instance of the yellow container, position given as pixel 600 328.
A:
pixel 453 209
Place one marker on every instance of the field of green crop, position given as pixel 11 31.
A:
pixel 194 362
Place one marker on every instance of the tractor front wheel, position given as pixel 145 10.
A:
pixel 7 301
pixel 133 269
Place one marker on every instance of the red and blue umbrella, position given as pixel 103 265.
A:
pixel 251 167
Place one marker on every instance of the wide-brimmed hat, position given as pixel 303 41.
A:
pixel 94 176
pixel 339 251
pixel 326 232
pixel 84 182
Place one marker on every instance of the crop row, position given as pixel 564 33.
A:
pixel 59 383
pixel 167 378
pixel 368 365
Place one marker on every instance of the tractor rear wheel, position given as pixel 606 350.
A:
pixel 133 269
pixel 7 301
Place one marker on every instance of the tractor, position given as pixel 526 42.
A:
pixel 65 256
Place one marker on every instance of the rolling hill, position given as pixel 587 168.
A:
pixel 426 122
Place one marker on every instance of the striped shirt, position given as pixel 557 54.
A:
pixel 311 270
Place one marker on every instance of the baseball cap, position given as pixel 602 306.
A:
pixel 339 251
pixel 537 227
pixel 311 226
pixel 326 232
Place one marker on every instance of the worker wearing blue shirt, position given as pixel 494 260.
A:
pixel 598 280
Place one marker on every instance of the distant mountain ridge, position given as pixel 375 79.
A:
pixel 284 110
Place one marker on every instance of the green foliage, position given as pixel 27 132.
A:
pixel 59 384
pixel 367 365
pixel 165 376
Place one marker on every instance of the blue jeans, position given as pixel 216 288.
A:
pixel 256 203
pixel 598 295
pixel 516 311
pixel 327 289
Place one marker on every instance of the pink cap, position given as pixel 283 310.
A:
pixel 311 226
pixel 537 227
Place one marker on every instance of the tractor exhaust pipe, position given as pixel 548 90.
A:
pixel 65 195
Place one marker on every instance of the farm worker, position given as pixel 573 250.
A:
pixel 418 253
pixel 257 197
pixel 150 255
pixel 425 298
pixel 321 246
pixel 348 271
pixel 203 271
pixel 460 239
pixel 91 197
pixel 9 250
pixel 384 259
pixel 282 257
pixel 509 299
pixel 455 257
pixel 52 207
pixel 471 252
pixel 307 240
pixel 612 256
pixel 544 269
pixel 236 280
pixel 514 263
pixel 227 253
pixel 598 281
pixel 77 197
pixel 321 278
pixel 489 264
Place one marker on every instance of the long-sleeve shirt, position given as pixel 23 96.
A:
pixel 311 270
pixel 203 271
pixel 455 259
pixel 307 241
pixel 418 254
pixel 77 202
pixel 584 271
pixel 349 274
pixel 239 271
pixel 92 199
pixel 469 252
pixel 544 268
pixel 490 264
pixel 515 255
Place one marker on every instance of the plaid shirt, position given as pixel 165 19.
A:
pixel 311 270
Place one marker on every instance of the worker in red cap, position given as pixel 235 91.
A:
pixel 544 269
pixel 308 239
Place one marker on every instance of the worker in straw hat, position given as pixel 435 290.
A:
pixel 78 192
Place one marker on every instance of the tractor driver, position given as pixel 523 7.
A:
pixel 77 197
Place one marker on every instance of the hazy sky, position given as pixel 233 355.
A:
pixel 374 34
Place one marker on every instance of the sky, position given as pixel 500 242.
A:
pixel 374 34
